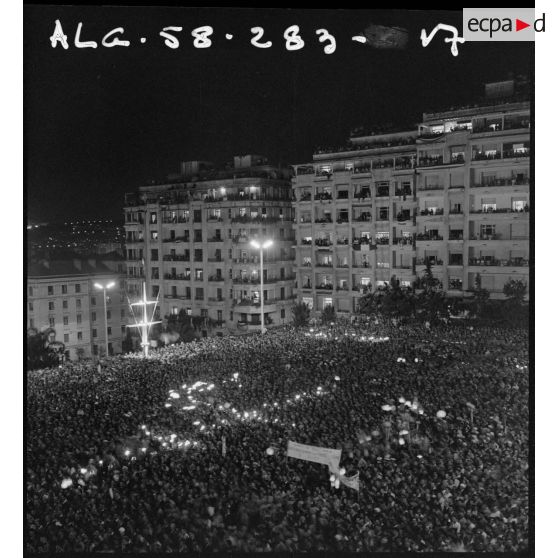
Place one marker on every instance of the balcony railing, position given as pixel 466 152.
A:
pixel 323 196
pixel 430 161
pixel 344 195
pixel 456 212
pixel 323 242
pixel 362 196
pixel 426 236
pixel 342 241
pixel 403 241
pixel 429 187
pixel 455 235
pixel 512 154
pixel 215 260
pixel 481 156
pixel 361 170
pixel 324 264
pixel 381 240
pixel 305 198
pixel 323 220
pixel 404 192
pixel 508 181
pixel 176 258
pixel 402 217
pixel 342 220
pixel 431 212
pixel 324 287
pixel 422 261
pixel 216 239
pixel 176 239
pixel 364 217
pixel 500 210
pixel 177 277
pixel 216 278
pixel 494 236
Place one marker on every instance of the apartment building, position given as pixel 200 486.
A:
pixel 189 239
pixel 62 298
pixel 455 193
pixel 354 219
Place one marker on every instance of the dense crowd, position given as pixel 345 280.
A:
pixel 186 450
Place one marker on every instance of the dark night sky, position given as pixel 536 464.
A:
pixel 100 122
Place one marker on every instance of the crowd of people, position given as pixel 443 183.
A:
pixel 185 451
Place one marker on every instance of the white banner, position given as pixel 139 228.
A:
pixel 315 454
pixel 351 482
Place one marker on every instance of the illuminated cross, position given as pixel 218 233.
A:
pixel 145 325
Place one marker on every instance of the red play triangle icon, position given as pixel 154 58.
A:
pixel 519 25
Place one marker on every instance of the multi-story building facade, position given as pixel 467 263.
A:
pixel 455 193
pixel 354 219
pixel 62 298
pixel 189 239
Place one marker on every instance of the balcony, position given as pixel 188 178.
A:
pixel 344 195
pixel 342 220
pixel 508 181
pixel 324 287
pixel 216 299
pixel 323 196
pixel 342 241
pixel 216 278
pixel 455 235
pixel 215 260
pixel 257 219
pixel 512 154
pixel 430 161
pixel 176 239
pixel 240 238
pixel 382 193
pixel 495 236
pixel 323 220
pixel 489 156
pixel 176 258
pixel 403 241
pixel 362 170
pixel 382 240
pixel 431 212
pixel 323 242
pixel 428 237
pixel 363 218
pixel 431 188
pixel 456 212
pixel 422 261
pixel 493 262
pixel 324 264
pixel 499 210
pixel 216 239
pixel 305 197
pixel 177 277
pixel 403 192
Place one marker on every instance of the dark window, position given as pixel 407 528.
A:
pixel 154 255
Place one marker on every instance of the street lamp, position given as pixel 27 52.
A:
pixel 261 246
pixel 104 288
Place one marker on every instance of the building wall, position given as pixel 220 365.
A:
pixel 456 193
pixel 73 307
pixel 191 244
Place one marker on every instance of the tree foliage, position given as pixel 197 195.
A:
pixel 301 314
pixel 38 354
pixel 328 314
